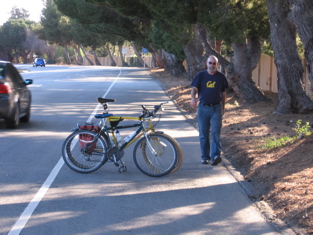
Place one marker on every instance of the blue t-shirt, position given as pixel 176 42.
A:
pixel 210 87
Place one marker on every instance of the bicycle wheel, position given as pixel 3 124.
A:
pixel 180 155
pixel 158 161
pixel 83 153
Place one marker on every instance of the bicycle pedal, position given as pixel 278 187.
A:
pixel 122 169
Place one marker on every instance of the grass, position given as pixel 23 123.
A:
pixel 272 142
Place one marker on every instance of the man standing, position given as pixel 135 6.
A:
pixel 210 85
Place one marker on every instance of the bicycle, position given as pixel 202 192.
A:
pixel 91 146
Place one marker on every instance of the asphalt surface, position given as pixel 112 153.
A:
pixel 41 195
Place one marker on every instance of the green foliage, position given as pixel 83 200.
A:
pixel 103 20
pixel 56 26
pixel 13 34
pixel 102 52
pixel 59 53
pixel 167 41
pixel 302 130
pixel 233 21
pixel 267 49
pixel 274 142
pixel 166 24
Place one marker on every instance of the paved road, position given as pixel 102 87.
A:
pixel 41 195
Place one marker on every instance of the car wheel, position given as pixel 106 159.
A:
pixel 27 115
pixel 13 121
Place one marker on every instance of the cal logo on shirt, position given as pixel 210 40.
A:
pixel 210 84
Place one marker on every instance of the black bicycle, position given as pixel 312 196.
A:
pixel 91 146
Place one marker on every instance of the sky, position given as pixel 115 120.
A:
pixel 34 8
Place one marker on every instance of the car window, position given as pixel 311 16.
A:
pixel 15 76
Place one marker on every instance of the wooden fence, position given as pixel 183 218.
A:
pixel 265 76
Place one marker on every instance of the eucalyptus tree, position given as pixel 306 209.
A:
pixel 85 37
pixel 243 25
pixel 56 27
pixel 13 34
pixel 181 23
pixel 302 16
pixel 41 45
pixel 291 94
pixel 102 20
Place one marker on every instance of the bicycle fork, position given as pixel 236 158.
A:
pixel 149 145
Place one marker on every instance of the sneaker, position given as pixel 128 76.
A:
pixel 216 161
pixel 205 161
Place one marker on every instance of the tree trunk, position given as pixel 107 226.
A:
pixel 25 55
pixel 95 57
pixel 302 16
pixel 194 56
pixel 113 63
pixel 16 55
pixel 120 49
pixel 86 56
pixel 172 64
pixel 195 61
pixel 10 57
pixel 66 55
pixel 50 52
pixel 194 52
pixel 157 57
pixel 239 73
pixel 246 57
pixel 141 61
pixel 291 94
pixel 78 56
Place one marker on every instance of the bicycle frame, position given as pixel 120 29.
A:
pixel 134 136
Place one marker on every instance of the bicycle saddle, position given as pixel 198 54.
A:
pixel 102 100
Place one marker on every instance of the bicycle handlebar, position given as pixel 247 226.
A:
pixel 146 113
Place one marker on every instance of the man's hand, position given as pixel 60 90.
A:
pixel 193 102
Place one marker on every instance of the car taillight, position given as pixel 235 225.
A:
pixel 4 89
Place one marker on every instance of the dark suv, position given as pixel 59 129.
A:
pixel 15 97
pixel 39 62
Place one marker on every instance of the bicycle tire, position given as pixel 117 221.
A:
pixel 180 155
pixel 163 162
pixel 83 153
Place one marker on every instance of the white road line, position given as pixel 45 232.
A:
pixel 27 213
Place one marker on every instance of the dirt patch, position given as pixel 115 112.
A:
pixel 281 177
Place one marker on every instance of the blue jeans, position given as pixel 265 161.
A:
pixel 210 124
